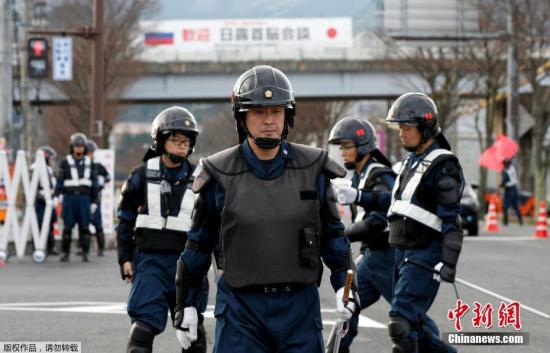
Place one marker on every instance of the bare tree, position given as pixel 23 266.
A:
pixel 314 119
pixel 487 59
pixel 532 27
pixel 443 69
pixel 216 133
pixel 121 49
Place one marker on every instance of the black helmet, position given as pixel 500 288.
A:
pixel 262 86
pixel 416 109
pixel 167 122
pixel 363 135
pixel 358 130
pixel 78 139
pixel 49 152
pixel 91 146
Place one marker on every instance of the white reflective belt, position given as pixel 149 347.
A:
pixel 154 220
pixel 397 181
pixel 75 181
pixel 419 171
pixel 362 183
pixel 405 208
pixel 182 222
pixel 153 164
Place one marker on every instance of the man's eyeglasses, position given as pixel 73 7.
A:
pixel 346 147
pixel 179 142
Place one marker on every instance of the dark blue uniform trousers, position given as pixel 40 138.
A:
pixel 76 209
pixel 153 292
pixel 259 321
pixel 415 291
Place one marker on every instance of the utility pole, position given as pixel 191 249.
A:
pixel 27 113
pixel 97 99
pixel 512 101
pixel 6 77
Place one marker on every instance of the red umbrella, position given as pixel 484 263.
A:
pixel 506 147
pixel 503 148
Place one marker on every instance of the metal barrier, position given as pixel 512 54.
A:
pixel 20 232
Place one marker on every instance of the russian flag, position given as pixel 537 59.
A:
pixel 159 38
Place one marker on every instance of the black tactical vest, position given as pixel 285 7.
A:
pixel 270 229
pixel 414 230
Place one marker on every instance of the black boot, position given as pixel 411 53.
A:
pixel 141 339
pixel 64 258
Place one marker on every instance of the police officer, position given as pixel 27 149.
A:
pixel 272 205
pixel 372 172
pixel 424 220
pixel 103 178
pixel 78 185
pixel 511 195
pixel 155 215
pixel 40 202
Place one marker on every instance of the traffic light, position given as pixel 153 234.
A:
pixel 38 57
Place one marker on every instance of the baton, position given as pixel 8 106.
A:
pixel 342 326
pixel 429 269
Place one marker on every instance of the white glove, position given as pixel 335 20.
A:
pixel 185 344
pixel 93 208
pixel 347 195
pixel 189 326
pixel 437 268
pixel 344 312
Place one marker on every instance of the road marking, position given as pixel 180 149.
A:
pixel 500 238
pixel 501 297
pixel 120 309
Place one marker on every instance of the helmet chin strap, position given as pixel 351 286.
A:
pixel 267 143
pixel 174 158
pixel 350 165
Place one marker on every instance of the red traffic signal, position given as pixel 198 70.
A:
pixel 38 48
pixel 37 62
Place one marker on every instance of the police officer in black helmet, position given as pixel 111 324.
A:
pixel 372 172
pixel 272 205
pixel 78 185
pixel 424 219
pixel 155 215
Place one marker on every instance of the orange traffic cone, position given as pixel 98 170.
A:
pixel 491 224
pixel 541 229
pixel 56 232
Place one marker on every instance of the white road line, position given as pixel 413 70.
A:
pixel 120 308
pixel 501 297
pixel 500 238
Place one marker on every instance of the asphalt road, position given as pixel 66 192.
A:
pixel 85 302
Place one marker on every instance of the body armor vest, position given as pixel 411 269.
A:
pixel 270 229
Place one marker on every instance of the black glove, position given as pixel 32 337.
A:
pixel 452 245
